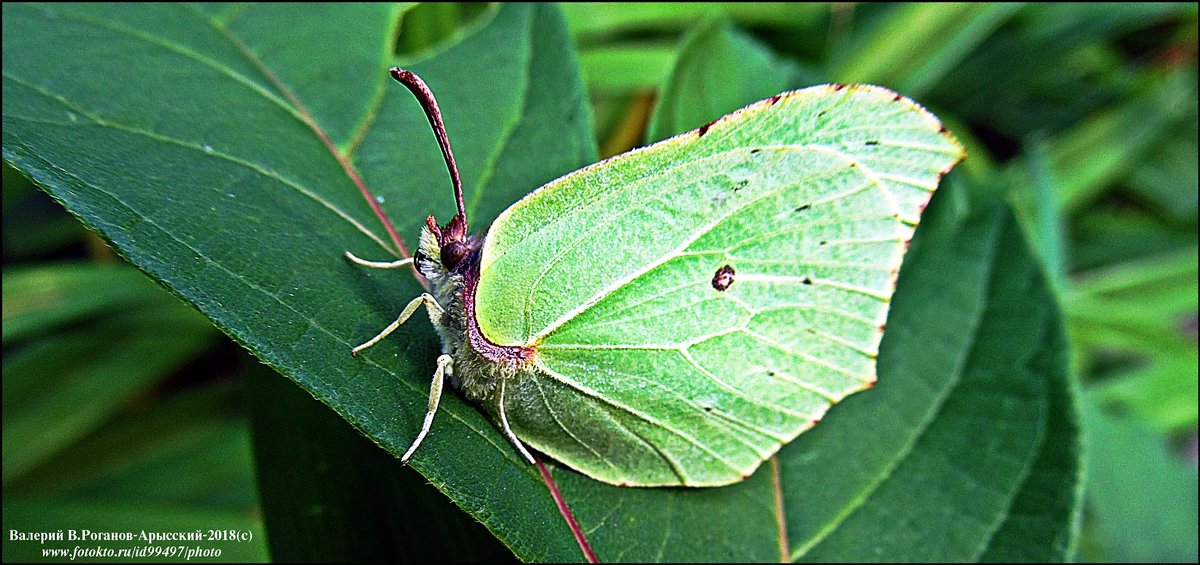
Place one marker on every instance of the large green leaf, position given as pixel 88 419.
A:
pixel 124 477
pixel 203 172
pixel 213 148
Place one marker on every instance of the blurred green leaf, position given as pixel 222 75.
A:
pixel 1137 306
pixel 1167 178
pixel 425 26
pixel 717 70
pixel 602 18
pixel 1043 216
pixel 59 388
pixel 1052 66
pixel 1106 147
pixel 42 298
pixel 1157 276
pixel 626 67
pixel 1141 497
pixel 1110 234
pixel 182 464
pixel 137 455
pixel 1162 394
pixel 912 46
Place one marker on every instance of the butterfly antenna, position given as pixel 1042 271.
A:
pixel 429 104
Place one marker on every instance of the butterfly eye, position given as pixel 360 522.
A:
pixel 453 254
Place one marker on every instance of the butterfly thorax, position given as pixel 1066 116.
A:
pixel 449 258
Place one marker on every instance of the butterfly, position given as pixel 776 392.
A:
pixel 674 315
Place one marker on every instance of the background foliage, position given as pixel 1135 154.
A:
pixel 126 409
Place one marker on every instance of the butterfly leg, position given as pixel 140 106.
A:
pixel 445 366
pixel 435 315
pixel 508 431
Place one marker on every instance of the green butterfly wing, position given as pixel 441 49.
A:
pixel 698 303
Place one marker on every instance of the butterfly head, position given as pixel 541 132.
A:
pixel 444 249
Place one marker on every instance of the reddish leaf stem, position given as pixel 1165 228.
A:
pixel 342 160
pixel 565 510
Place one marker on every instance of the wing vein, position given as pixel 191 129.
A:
pixel 638 414
pixel 690 239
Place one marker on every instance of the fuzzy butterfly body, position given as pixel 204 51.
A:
pixel 675 314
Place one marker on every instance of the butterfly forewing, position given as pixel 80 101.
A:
pixel 698 303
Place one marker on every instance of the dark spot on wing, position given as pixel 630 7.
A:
pixel 806 280
pixel 740 185
pixel 872 142
pixel 823 242
pixel 804 207
pixel 704 128
pixel 772 100
pixel 897 98
pixel 838 87
pixel 723 278
pixel 755 150
pixel 822 113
